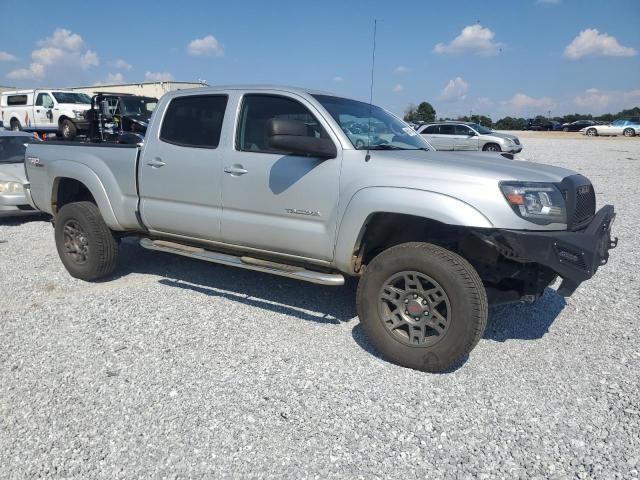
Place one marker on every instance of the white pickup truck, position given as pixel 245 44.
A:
pixel 45 111
pixel 275 179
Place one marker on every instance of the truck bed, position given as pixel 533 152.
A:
pixel 109 171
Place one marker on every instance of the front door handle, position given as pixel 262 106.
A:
pixel 235 170
pixel 156 163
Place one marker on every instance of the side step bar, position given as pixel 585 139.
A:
pixel 334 279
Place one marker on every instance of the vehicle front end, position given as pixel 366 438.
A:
pixel 14 199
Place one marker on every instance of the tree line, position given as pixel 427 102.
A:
pixel 424 112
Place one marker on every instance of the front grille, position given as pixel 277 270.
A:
pixel 585 205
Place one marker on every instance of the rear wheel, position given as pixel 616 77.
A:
pixel 85 243
pixel 629 132
pixel 67 129
pixel 592 132
pixel 422 306
pixel 491 147
pixel 15 125
pixel 565 129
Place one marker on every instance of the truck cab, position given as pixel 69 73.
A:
pixel 45 111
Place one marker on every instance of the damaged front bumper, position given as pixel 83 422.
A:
pixel 574 256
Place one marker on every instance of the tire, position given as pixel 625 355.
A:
pixel 67 129
pixel 592 132
pixel 565 129
pixel 85 244
pixel 629 132
pixel 15 125
pixel 491 147
pixel 460 299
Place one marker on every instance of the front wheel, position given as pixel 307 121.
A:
pixel 592 132
pixel 629 132
pixel 67 129
pixel 491 147
pixel 422 306
pixel 85 244
pixel 565 129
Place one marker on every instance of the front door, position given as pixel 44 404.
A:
pixel 180 183
pixel 273 200
pixel 43 112
pixel 465 138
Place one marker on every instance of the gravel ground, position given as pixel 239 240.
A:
pixel 181 369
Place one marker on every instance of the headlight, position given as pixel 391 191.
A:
pixel 80 113
pixel 540 203
pixel 508 140
pixel 11 187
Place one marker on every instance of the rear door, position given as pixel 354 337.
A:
pixel 180 183
pixel 277 201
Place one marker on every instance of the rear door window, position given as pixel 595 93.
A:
pixel 15 100
pixel 447 130
pixel 194 121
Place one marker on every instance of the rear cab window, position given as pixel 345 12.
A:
pixel 194 121
pixel 15 100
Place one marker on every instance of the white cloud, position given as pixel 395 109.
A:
pixel 7 57
pixel 35 70
pixel 401 69
pixel 521 103
pixel 455 90
pixel 63 39
pixel 398 87
pixel 600 101
pixel 89 59
pixel 473 39
pixel 338 79
pixel 122 64
pixel 115 78
pixel 591 42
pixel 158 76
pixel 208 45
pixel 63 49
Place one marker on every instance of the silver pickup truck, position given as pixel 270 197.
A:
pixel 274 179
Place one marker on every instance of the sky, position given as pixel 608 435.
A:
pixel 497 58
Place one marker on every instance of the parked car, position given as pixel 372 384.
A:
pixel 45 111
pixel 119 117
pixel 628 128
pixel 265 178
pixel 577 125
pixel 13 199
pixel 538 125
pixel 468 136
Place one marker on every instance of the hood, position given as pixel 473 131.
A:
pixel 467 167
pixel 13 172
pixel 502 135
pixel 74 106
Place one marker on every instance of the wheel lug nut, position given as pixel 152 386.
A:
pixel 424 302
pixel 415 296
pixel 406 300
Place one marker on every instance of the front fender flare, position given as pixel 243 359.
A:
pixel 369 201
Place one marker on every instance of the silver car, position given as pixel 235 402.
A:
pixel 13 200
pixel 628 128
pixel 468 136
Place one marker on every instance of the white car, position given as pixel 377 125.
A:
pixel 628 128
pixel 45 111
pixel 14 200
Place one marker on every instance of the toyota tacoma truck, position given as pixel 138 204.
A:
pixel 270 179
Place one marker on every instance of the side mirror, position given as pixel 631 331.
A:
pixel 291 136
pixel 472 133
pixel 105 109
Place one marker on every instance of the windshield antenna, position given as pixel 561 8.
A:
pixel 373 66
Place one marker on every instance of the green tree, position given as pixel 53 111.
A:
pixel 509 123
pixel 422 113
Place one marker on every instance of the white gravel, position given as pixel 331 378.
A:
pixel 181 369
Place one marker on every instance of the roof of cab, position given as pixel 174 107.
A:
pixel 283 88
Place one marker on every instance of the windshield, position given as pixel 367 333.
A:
pixel 138 106
pixel 480 129
pixel 65 97
pixel 12 148
pixel 368 126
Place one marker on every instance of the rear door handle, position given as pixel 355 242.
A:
pixel 156 163
pixel 235 170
